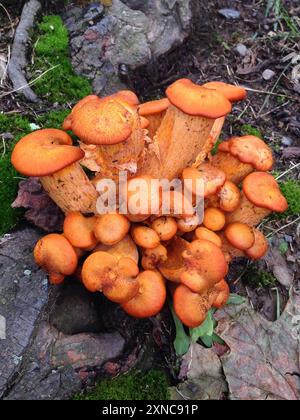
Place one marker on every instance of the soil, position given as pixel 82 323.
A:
pixel 273 106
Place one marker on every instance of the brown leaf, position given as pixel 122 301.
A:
pixel 277 263
pixel 42 211
pixel 264 358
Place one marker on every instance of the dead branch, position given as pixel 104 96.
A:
pixel 18 60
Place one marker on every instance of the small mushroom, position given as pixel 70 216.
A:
pixel 153 257
pixel 208 178
pixel 261 196
pixel 165 227
pixel 79 230
pixel 214 219
pixel 154 111
pixel 173 268
pixel 126 248
pixel 111 228
pixel 189 224
pixel 191 308
pixel 205 265
pixel 228 198
pixel 204 233
pixel 55 255
pixel 240 235
pixel 150 298
pixel 240 156
pixel 260 247
pixel 145 237
pixel 115 278
pixel 222 290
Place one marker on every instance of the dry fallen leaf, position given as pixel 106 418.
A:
pixel 264 358
pixel 291 152
pixel 277 263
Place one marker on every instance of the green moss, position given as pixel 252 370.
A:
pixel 9 178
pixel 133 386
pixel 250 130
pixel 259 278
pixel 60 84
pixel 291 190
pixel 53 119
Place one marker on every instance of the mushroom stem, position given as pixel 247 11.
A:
pixel 182 139
pixel 234 169
pixel 154 123
pixel 247 213
pixel 71 189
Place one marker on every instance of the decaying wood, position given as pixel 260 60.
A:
pixel 18 60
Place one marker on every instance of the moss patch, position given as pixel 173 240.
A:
pixel 291 190
pixel 133 386
pixel 61 84
pixel 258 278
pixel 53 119
pixel 250 130
pixel 9 178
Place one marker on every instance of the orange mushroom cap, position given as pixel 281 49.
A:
pixel 230 197
pixel 45 152
pixel 224 147
pixel 212 179
pixel 151 296
pixel 189 224
pixel 145 237
pixel 144 122
pixel 126 96
pixel 223 292
pixel 153 257
pixel 260 247
pixel 205 265
pixel 103 272
pixel 263 191
pixel 240 235
pixel 252 150
pixel 56 256
pixel 165 227
pixel 78 229
pixel 231 92
pixel 102 122
pixel 191 308
pixel 214 219
pixel 204 233
pixel 196 100
pixel 154 107
pixel 110 229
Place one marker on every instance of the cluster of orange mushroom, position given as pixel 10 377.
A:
pixel 133 259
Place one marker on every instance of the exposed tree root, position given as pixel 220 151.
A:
pixel 18 60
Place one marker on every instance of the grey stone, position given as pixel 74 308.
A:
pixel 230 13
pixel 3 69
pixel 286 141
pixel 242 50
pixel 94 11
pixel 130 33
pixel 268 74
pixel 76 311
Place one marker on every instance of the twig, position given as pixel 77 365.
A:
pixel 18 60
pixel 270 93
pixel 31 83
pixel 288 171
pixel 283 227
pixel 9 18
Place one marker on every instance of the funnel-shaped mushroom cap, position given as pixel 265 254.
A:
pixel 231 92
pixel 240 235
pixel 56 256
pixel 208 178
pixel 154 107
pixel 205 265
pixel 44 152
pixel 102 122
pixel 222 290
pixel 191 308
pixel 262 190
pixel 79 230
pixel 252 150
pixel 103 272
pixel 260 247
pixel 111 228
pixel 151 296
pixel 196 100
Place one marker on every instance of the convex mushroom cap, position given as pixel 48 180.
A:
pixel 204 181
pixel 111 228
pixel 79 230
pixel 240 235
pixel 45 152
pixel 231 92
pixel 196 100
pixel 56 256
